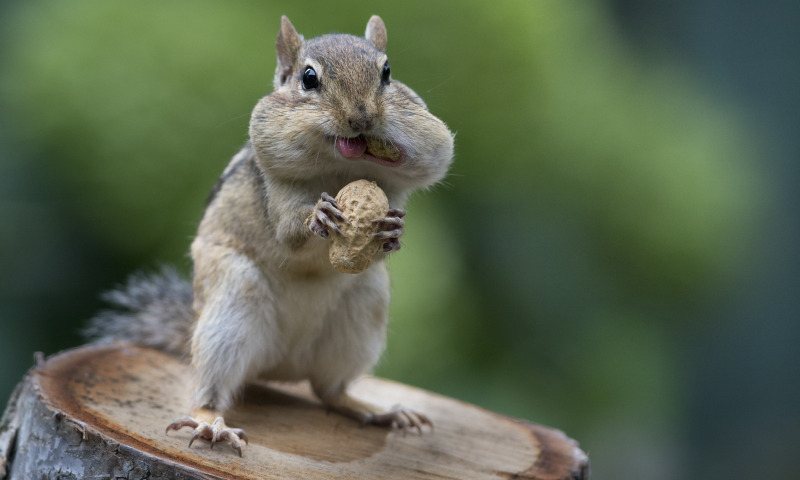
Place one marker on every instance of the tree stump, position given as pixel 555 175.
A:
pixel 100 412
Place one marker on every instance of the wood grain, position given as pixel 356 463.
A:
pixel 102 408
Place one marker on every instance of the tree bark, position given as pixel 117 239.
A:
pixel 100 412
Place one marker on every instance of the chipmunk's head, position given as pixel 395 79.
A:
pixel 324 63
pixel 344 74
pixel 334 98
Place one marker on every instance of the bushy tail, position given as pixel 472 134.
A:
pixel 150 310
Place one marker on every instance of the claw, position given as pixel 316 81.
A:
pixel 415 421
pixel 334 206
pixel 213 433
pixel 390 229
pixel 390 221
pixel 241 434
pixel 391 245
pixel 396 212
pixel 324 218
pixel 321 220
pixel 403 419
pixel 200 431
pixel 387 234
pixel 182 422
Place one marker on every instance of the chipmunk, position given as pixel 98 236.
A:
pixel 264 301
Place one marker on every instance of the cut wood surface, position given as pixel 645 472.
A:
pixel 101 412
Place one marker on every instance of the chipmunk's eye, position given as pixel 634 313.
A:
pixel 310 79
pixel 386 73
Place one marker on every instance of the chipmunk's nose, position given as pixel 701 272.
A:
pixel 361 118
pixel 360 124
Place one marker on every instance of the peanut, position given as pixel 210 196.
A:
pixel 353 250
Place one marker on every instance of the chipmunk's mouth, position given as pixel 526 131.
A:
pixel 373 149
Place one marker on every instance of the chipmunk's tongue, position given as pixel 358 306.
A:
pixel 351 147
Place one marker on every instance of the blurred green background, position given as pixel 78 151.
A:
pixel 614 252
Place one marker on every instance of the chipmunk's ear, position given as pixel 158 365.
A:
pixel 376 32
pixel 288 47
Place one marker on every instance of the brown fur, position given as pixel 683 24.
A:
pixel 267 302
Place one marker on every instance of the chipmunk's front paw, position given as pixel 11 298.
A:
pixel 321 221
pixel 217 431
pixel 401 418
pixel 390 229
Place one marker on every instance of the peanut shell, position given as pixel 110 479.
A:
pixel 361 202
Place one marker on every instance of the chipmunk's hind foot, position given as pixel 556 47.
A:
pixel 215 432
pixel 401 418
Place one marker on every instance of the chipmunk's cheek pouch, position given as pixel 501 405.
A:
pixel 351 147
